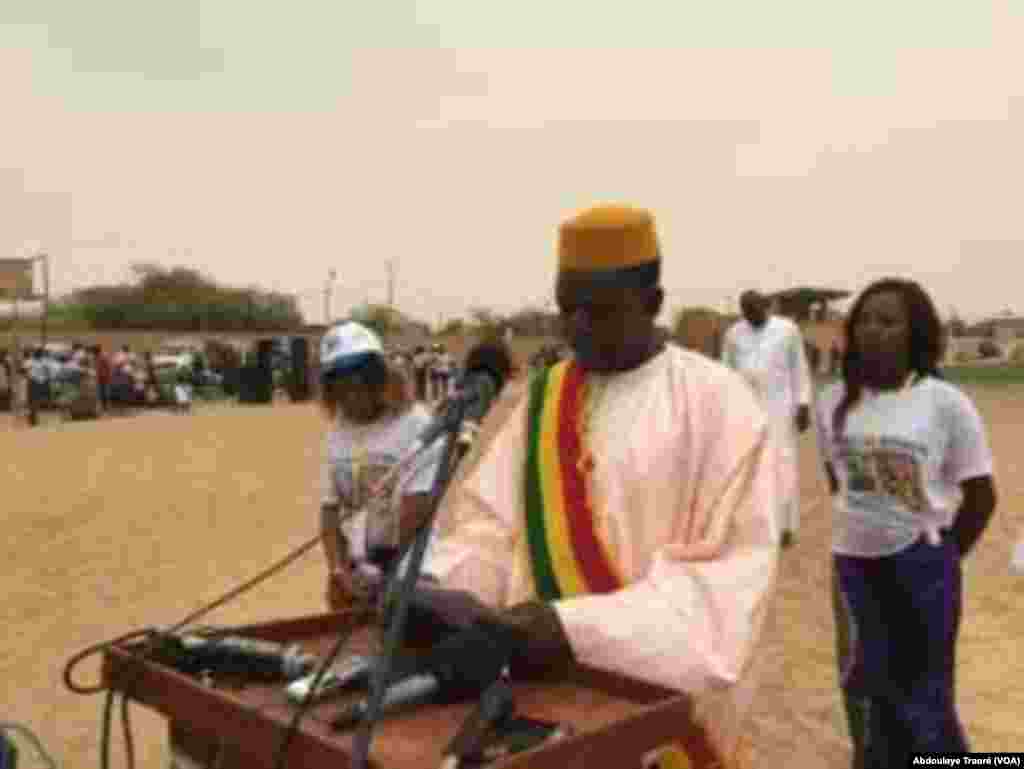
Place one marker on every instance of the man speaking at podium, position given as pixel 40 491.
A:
pixel 624 516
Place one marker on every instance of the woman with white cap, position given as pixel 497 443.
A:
pixel 368 513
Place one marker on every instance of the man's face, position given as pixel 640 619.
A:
pixel 754 308
pixel 608 328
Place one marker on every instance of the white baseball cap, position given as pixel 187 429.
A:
pixel 347 347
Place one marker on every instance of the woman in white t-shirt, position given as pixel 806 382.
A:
pixel 910 472
pixel 368 512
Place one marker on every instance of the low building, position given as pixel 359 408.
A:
pixel 1002 328
pixel 805 304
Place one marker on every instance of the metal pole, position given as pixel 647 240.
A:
pixel 391 284
pixel 45 258
pixel 17 324
pixel 328 290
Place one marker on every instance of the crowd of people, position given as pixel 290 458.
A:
pixel 429 369
pixel 88 381
pixel 630 513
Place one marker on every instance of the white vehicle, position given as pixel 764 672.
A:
pixel 177 354
pixel 58 350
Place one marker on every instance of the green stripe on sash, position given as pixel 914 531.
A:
pixel 545 583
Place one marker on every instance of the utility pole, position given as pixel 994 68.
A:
pixel 45 259
pixel 391 284
pixel 328 288
pixel 17 325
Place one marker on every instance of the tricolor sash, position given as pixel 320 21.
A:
pixel 567 556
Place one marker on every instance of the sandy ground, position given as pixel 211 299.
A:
pixel 136 521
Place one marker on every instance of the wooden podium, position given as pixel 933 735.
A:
pixel 616 721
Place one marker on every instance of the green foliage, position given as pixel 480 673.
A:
pixel 487 325
pixel 452 327
pixel 66 315
pixel 180 299
pixel 989 349
pixel 534 322
pixel 379 318
pixel 991 375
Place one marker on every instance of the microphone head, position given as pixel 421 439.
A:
pixel 493 357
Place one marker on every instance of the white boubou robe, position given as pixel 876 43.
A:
pixel 773 361
pixel 684 492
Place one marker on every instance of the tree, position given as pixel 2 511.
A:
pixel 957 326
pixel 386 321
pixel 533 322
pixel 989 349
pixel 181 298
pixel 452 327
pixel 700 329
pixel 488 324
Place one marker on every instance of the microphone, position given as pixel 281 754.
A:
pixel 352 672
pixel 234 655
pixel 487 369
pixel 414 690
pixel 454 671
pixel 474 394
pixel 496 706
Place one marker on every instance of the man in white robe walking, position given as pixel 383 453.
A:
pixel 768 350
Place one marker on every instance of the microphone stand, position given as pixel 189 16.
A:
pixel 454 416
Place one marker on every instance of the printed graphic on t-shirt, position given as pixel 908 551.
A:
pixel 358 474
pixel 367 482
pixel 887 470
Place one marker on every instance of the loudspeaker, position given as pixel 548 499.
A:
pixel 300 389
pixel 255 385
pixel 232 380
pixel 265 354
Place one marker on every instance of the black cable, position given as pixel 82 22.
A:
pixel 153 636
pixel 307 701
pixel 218 757
pixel 381 677
pixel 95 649
pixel 126 725
pixel 108 711
pixel 386 579
pixel 106 718
pixel 28 734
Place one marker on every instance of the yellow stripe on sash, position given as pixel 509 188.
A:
pixel 670 757
pixel 563 560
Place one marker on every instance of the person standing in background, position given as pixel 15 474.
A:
pixel 910 472
pixel 768 350
pixel 37 373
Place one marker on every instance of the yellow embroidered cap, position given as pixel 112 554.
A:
pixel 608 237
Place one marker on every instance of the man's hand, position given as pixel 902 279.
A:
pixel 528 639
pixel 466 663
pixel 803 418
pixel 533 639
pixel 437 608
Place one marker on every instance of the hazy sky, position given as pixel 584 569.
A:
pixel 819 141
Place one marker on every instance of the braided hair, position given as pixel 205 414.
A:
pixel 927 341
